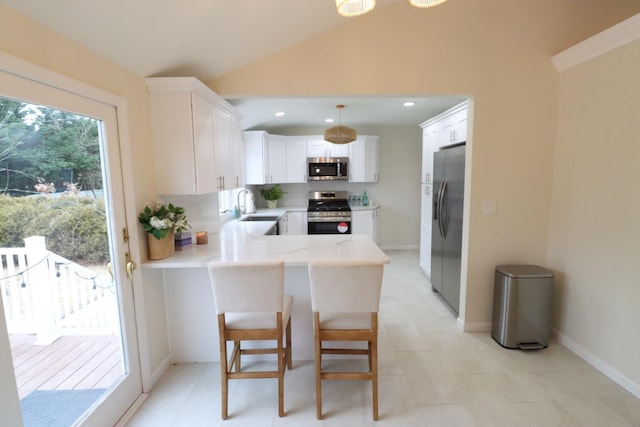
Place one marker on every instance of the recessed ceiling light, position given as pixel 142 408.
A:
pixel 280 113
pixel 329 120
pixel 409 104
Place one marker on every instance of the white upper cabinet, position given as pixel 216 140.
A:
pixel 277 154
pixel 318 147
pixel 194 134
pixel 265 158
pixel 363 159
pixel 296 159
pixel 271 159
pixel 451 125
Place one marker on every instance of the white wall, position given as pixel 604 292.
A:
pixel 594 232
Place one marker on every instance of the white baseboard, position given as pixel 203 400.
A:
pixel 474 327
pixel 164 365
pixel 399 248
pixel 598 363
pixel 122 422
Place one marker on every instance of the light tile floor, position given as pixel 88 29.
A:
pixel 431 374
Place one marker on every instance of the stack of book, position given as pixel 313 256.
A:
pixel 183 241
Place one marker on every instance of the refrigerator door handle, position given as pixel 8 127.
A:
pixel 436 204
pixel 443 209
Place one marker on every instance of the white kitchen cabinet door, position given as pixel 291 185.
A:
pixel 318 147
pixel 296 223
pixel 255 157
pixel 224 151
pixel 277 159
pixel 429 146
pixel 460 126
pixel 337 150
pixel 363 159
pixel 237 151
pixel 426 208
pixel 296 159
pixel 183 138
pixel 265 158
pixel 366 222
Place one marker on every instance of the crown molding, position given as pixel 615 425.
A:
pixel 625 32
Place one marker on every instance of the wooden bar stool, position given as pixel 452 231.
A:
pixel 345 298
pixel 251 306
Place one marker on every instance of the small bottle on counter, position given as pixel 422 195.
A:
pixel 365 199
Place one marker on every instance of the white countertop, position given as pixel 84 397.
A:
pixel 245 241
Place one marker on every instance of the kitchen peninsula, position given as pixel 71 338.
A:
pixel 191 319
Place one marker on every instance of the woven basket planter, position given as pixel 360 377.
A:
pixel 161 248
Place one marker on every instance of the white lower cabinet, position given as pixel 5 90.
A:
pixel 293 223
pixel 366 221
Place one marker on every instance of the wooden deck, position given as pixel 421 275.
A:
pixel 69 363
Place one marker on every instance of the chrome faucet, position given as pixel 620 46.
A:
pixel 250 193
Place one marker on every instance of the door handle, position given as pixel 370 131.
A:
pixel 443 209
pixel 130 265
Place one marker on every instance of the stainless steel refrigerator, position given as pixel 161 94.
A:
pixel 446 233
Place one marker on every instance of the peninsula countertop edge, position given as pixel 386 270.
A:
pixel 234 243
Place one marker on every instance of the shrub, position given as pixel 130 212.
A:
pixel 75 228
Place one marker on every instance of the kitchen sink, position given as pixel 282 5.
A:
pixel 260 218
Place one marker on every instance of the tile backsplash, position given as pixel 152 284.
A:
pixel 201 210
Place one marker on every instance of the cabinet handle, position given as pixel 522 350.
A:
pixel 237 182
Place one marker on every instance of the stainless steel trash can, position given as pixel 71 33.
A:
pixel 522 306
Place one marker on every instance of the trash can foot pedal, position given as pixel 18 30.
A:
pixel 530 346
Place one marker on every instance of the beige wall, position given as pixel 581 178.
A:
pixel 496 51
pixel 594 234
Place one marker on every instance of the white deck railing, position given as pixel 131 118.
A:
pixel 48 295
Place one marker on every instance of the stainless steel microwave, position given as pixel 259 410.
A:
pixel 327 168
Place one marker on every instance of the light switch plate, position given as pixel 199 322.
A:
pixel 489 208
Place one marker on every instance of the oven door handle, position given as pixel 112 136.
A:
pixel 328 219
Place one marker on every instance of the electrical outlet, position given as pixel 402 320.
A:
pixel 489 208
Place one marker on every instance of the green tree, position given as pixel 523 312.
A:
pixel 68 149
pixel 15 133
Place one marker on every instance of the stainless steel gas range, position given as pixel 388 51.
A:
pixel 329 213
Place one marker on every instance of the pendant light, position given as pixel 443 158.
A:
pixel 340 134
pixel 354 7
pixel 426 3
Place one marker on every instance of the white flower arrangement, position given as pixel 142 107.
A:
pixel 160 218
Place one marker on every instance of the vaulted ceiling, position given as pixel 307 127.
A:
pixel 210 38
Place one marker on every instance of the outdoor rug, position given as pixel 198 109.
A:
pixel 59 408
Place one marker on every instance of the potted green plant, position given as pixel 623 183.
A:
pixel 272 195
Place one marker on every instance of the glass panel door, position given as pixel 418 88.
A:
pixel 66 294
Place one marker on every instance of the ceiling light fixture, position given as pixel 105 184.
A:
pixel 426 3
pixel 340 134
pixel 408 104
pixel 280 113
pixel 354 7
pixel 350 8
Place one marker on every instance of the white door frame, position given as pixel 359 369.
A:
pixel 118 128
